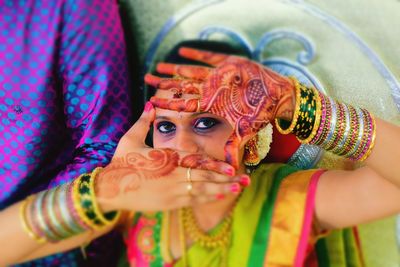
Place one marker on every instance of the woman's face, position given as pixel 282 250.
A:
pixel 203 133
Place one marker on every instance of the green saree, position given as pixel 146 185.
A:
pixel 272 226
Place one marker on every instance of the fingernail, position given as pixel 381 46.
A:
pixel 230 171
pixel 235 188
pixel 220 196
pixel 245 181
pixel 148 106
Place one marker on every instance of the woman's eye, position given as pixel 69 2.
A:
pixel 165 127
pixel 205 123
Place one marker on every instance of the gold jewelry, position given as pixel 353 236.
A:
pixel 24 221
pixel 189 185
pixel 257 148
pixel 182 239
pixel 372 134
pixel 281 125
pixel 106 219
pixel 86 205
pixel 250 157
pixel 317 120
pixel 219 239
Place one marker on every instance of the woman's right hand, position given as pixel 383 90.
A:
pixel 247 94
pixel 141 178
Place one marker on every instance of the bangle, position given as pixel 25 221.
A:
pixel 372 142
pixel 307 114
pixel 325 121
pixel 43 218
pixel 58 225
pixel 107 218
pixel 282 125
pixel 75 213
pixel 315 114
pixel 336 127
pixel 86 205
pixel 67 211
pixel 77 200
pixel 25 224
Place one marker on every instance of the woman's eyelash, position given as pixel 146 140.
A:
pixel 165 127
pixel 205 123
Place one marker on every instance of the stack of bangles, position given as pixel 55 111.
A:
pixel 64 211
pixel 336 127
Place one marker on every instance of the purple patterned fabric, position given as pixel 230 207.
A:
pixel 64 100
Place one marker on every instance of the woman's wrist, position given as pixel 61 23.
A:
pixel 105 203
pixel 66 210
pixel 105 199
pixel 287 103
pixel 331 125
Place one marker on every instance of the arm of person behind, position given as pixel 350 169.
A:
pixel 93 73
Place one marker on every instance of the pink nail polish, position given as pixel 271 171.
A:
pixel 220 196
pixel 148 106
pixel 235 188
pixel 230 171
pixel 245 181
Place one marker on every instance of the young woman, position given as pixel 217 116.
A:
pixel 274 221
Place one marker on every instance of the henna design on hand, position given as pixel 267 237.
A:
pixel 244 92
pixel 126 174
pixel 158 163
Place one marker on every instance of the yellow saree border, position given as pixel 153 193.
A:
pixel 292 219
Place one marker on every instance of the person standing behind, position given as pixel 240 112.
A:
pixel 64 99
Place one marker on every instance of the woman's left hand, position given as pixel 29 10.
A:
pixel 247 94
pixel 141 178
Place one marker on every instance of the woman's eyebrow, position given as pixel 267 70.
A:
pixel 163 118
pixel 197 113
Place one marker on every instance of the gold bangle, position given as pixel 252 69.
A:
pixel 25 224
pixel 318 115
pixel 371 146
pixel 293 123
pixel 106 221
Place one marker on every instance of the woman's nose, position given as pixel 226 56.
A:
pixel 184 141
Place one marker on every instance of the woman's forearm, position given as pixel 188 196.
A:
pixel 54 220
pixel 385 155
pixel 344 130
pixel 18 246
pixel 14 241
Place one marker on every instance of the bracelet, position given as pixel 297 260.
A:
pixel 24 221
pixel 77 201
pixel 317 119
pixel 307 116
pixel 43 218
pixel 282 125
pixel 86 205
pixel 108 218
pixel 67 211
pixel 372 142
pixel 52 210
pixel 336 127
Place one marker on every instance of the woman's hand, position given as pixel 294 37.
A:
pixel 140 178
pixel 244 92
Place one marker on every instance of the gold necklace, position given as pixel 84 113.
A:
pixel 220 238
